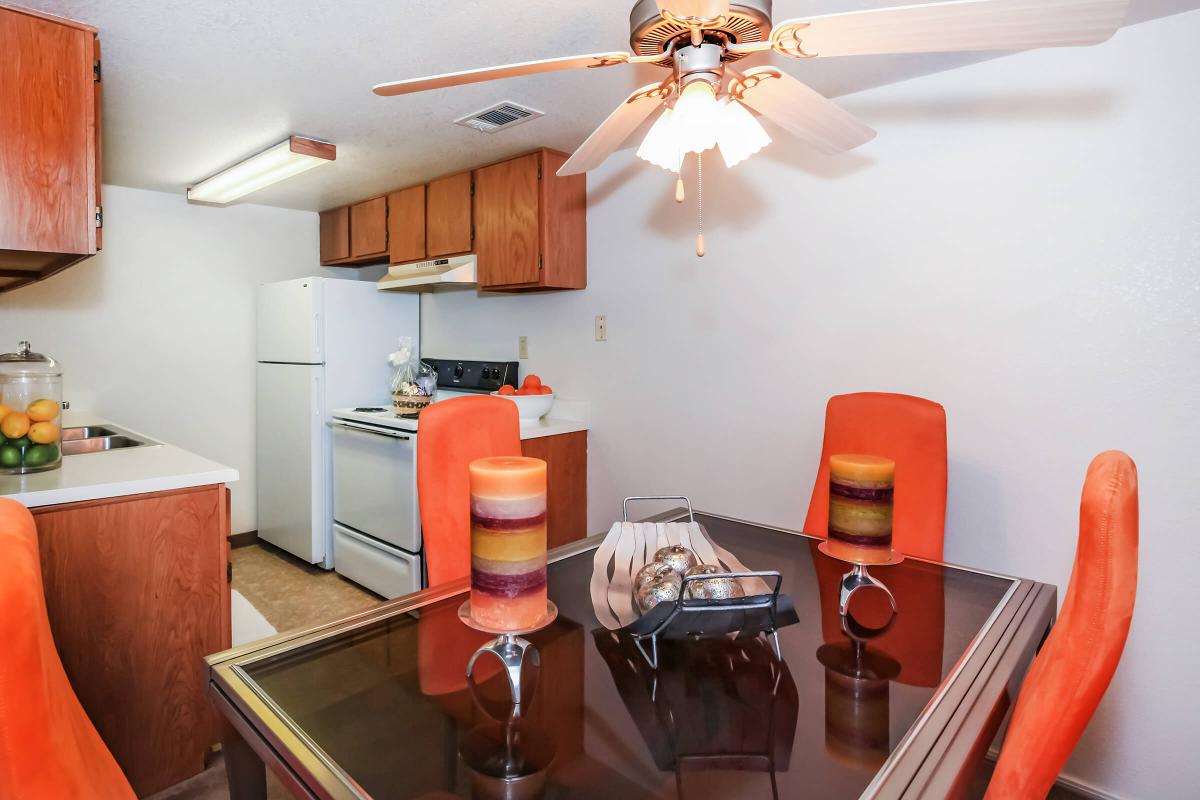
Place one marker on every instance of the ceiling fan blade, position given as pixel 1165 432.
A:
pixel 496 73
pixel 694 9
pixel 613 132
pixel 952 26
pixel 801 111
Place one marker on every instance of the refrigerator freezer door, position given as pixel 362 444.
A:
pixel 291 471
pixel 362 325
pixel 290 328
pixel 375 483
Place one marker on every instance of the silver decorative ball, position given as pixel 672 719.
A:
pixel 661 590
pixel 718 587
pixel 652 572
pixel 678 557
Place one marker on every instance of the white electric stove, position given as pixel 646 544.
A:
pixel 376 522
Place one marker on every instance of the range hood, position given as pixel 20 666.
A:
pixel 429 275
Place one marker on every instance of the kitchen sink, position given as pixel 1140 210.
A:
pixel 99 438
pixel 87 432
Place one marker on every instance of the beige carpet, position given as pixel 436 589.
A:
pixel 211 785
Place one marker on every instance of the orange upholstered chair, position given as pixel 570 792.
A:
pixel 453 433
pixel 1078 659
pixel 48 747
pixel 912 432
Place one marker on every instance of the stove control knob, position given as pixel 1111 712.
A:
pixel 458 371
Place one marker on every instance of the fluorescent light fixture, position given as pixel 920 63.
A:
pixel 661 145
pixel 739 134
pixel 290 157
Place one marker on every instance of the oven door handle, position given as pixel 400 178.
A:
pixel 354 426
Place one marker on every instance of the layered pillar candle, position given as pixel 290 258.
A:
pixel 508 542
pixel 860 507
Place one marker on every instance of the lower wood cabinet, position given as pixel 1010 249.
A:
pixel 566 484
pixel 137 590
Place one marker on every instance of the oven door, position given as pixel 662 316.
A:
pixel 375 483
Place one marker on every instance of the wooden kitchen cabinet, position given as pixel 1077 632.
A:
pixel 530 224
pixel 50 209
pixel 448 225
pixel 335 235
pixel 566 484
pixel 369 229
pixel 406 225
pixel 137 591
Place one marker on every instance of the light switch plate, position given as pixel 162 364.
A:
pixel 523 347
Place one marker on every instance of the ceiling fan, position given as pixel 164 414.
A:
pixel 704 100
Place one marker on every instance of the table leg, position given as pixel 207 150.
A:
pixel 245 771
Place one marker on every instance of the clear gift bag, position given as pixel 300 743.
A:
pixel 414 383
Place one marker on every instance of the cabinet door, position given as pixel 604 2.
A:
pixel 368 228
pixel 566 484
pixel 406 225
pixel 335 235
pixel 47 136
pixel 448 225
pixel 506 222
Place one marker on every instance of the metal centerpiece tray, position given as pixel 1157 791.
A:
pixel 758 608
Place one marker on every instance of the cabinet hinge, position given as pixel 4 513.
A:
pixel 229 572
pixel 96 72
pixel 539 170
pixel 99 217
pixel 539 260
pixel 472 233
pixel 472 188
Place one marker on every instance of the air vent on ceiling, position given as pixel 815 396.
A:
pixel 501 116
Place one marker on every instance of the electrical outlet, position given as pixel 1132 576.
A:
pixel 523 347
pixel 601 328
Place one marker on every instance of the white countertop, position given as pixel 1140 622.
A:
pixel 114 473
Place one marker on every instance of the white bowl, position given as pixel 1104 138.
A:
pixel 530 407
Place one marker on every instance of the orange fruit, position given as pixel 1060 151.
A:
pixel 14 425
pixel 506 390
pixel 42 410
pixel 4 411
pixel 532 380
pixel 43 433
pixel 546 390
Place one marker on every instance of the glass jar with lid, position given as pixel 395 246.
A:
pixel 30 409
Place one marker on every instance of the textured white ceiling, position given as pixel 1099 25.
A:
pixel 191 87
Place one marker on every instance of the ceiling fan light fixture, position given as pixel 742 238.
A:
pixel 740 135
pixel 697 117
pixel 661 145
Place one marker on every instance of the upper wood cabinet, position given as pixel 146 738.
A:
pixel 369 229
pixel 335 235
pixel 448 215
pixel 49 145
pixel 406 225
pixel 530 224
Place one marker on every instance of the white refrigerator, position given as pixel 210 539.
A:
pixel 322 344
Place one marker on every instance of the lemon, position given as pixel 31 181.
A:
pixel 5 410
pixel 43 432
pixel 42 410
pixel 14 425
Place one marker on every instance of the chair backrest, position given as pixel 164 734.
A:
pixel 453 433
pixel 912 432
pixel 1071 673
pixel 48 746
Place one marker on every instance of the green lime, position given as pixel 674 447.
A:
pixel 21 443
pixel 9 456
pixel 40 455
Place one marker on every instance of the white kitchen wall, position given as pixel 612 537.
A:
pixel 1021 244
pixel 157 331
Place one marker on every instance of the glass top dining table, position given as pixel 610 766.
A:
pixel 378 705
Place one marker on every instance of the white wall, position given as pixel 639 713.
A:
pixel 1020 243
pixel 157 331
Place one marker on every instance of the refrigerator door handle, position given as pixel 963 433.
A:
pixel 368 429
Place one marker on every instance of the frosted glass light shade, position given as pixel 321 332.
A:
pixel 740 135
pixel 697 117
pixel 661 145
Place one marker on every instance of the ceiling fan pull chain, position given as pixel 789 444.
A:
pixel 700 204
